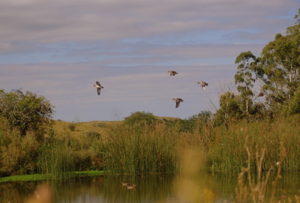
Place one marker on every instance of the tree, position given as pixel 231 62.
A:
pixel 25 111
pixel 280 62
pixel 230 108
pixel 277 69
pixel 244 78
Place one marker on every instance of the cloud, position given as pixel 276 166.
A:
pixel 59 48
pixel 56 21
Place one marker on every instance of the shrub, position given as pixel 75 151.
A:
pixel 25 111
pixel 140 118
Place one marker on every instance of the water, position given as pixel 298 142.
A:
pixel 151 188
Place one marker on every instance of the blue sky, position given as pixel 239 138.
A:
pixel 59 48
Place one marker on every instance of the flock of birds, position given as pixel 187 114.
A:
pixel 172 73
pixel 178 100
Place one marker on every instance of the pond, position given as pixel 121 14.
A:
pixel 150 188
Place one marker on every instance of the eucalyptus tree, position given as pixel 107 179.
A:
pixel 280 63
pixel 277 70
pixel 245 78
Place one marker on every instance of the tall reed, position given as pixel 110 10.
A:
pixel 54 159
pixel 140 150
pixel 227 154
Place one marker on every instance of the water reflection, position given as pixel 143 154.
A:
pixel 152 188
pixel 42 194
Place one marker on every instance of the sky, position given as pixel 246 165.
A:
pixel 59 48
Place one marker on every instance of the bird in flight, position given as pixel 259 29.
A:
pixel 203 84
pixel 177 101
pixel 98 87
pixel 172 72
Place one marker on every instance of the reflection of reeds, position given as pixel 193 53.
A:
pixel 189 184
pixel 42 194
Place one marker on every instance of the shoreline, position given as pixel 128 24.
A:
pixel 39 177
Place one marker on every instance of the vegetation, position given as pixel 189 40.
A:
pixel 254 133
pixel 25 111
pixel 267 85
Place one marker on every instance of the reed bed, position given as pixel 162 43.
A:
pixel 143 150
pixel 146 148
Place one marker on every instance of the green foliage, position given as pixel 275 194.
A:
pixel 294 105
pixel 280 62
pixel 140 119
pixel 276 72
pixel 54 158
pixel 25 111
pixel 279 138
pixel 230 108
pixel 203 116
pixel 154 150
pixel 17 154
pixel 244 78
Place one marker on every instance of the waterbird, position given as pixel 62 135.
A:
pixel 172 72
pixel 98 86
pixel 177 101
pixel 203 84
pixel 131 187
pixel 124 184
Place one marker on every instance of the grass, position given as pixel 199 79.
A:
pixel 38 177
pixel 227 154
pixel 137 149
pixel 140 150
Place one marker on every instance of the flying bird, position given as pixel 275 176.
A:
pixel 172 72
pixel 177 101
pixel 203 84
pixel 98 86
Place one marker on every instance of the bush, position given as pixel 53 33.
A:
pixel 140 118
pixel 25 111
